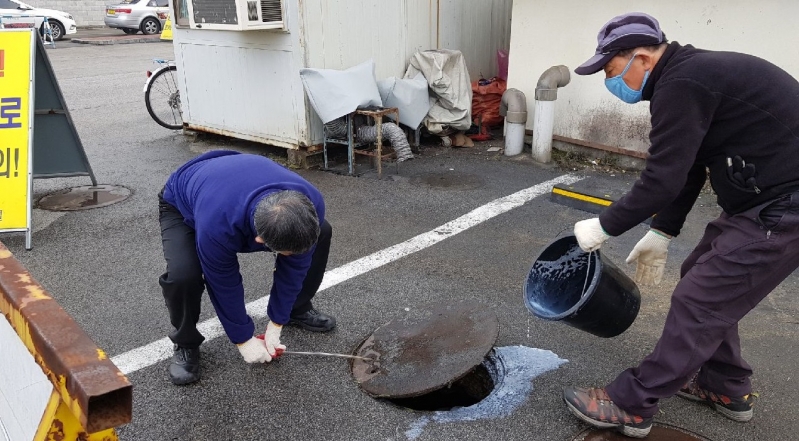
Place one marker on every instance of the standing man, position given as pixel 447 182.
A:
pixel 218 205
pixel 733 117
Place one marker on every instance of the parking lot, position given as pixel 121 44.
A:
pixel 450 225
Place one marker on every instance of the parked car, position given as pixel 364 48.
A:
pixel 23 15
pixel 132 16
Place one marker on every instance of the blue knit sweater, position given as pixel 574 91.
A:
pixel 217 193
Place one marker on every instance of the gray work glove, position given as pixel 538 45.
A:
pixel 650 254
pixel 590 234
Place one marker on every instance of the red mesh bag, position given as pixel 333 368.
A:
pixel 486 97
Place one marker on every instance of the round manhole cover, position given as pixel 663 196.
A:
pixel 448 180
pixel 426 349
pixel 83 198
pixel 660 432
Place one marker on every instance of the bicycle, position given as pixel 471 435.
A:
pixel 162 96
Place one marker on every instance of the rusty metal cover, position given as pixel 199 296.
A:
pixel 660 432
pixel 426 349
pixel 83 198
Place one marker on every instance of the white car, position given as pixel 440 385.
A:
pixel 15 14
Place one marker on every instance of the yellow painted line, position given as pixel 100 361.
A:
pixel 582 197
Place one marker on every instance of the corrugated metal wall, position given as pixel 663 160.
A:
pixel 340 34
pixel 344 33
pixel 478 29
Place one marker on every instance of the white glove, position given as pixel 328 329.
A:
pixel 254 351
pixel 650 252
pixel 272 338
pixel 590 234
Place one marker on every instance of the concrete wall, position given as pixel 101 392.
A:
pixel 551 32
pixel 85 12
pixel 344 33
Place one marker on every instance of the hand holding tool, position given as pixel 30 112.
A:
pixel 272 338
pixel 254 351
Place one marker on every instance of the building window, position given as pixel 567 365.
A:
pixel 181 12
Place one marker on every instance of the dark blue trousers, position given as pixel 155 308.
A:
pixel 739 261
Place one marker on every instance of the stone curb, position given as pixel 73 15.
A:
pixel 106 41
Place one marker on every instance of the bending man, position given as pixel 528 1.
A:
pixel 218 205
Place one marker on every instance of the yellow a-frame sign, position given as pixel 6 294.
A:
pixel 17 48
pixel 31 98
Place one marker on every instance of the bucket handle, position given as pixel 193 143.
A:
pixel 588 269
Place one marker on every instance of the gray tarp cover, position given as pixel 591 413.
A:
pixel 335 93
pixel 409 96
pixel 448 78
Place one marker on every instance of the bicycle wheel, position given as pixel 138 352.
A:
pixel 162 99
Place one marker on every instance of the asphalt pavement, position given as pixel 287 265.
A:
pixel 102 265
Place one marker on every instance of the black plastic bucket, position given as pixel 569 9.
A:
pixel 584 290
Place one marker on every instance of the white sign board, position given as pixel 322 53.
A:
pixel 24 389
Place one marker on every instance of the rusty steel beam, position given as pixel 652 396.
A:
pixel 90 385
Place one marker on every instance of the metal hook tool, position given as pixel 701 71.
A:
pixel 279 352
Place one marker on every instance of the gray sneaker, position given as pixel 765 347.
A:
pixel 734 408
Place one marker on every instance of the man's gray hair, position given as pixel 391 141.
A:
pixel 287 221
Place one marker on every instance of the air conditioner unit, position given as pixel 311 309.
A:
pixel 237 15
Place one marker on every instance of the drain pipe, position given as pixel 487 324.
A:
pixel 546 92
pixel 514 108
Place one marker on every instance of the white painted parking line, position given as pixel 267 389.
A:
pixel 159 350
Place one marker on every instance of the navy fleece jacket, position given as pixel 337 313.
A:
pixel 708 106
pixel 217 193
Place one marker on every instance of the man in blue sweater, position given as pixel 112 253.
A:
pixel 732 117
pixel 218 205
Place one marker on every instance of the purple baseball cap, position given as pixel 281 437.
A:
pixel 626 31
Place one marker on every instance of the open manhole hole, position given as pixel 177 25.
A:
pixel 435 357
pixel 448 180
pixel 659 432
pixel 467 391
pixel 83 198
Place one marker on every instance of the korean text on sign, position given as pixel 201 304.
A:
pixel 15 127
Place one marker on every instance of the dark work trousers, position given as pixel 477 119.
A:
pixel 739 261
pixel 183 282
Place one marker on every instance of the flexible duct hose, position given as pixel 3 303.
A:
pixel 395 136
pixel 337 128
pixel 391 132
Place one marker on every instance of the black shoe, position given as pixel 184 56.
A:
pixel 185 366
pixel 313 320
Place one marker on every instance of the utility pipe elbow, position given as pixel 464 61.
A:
pixel 513 106
pixel 550 80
